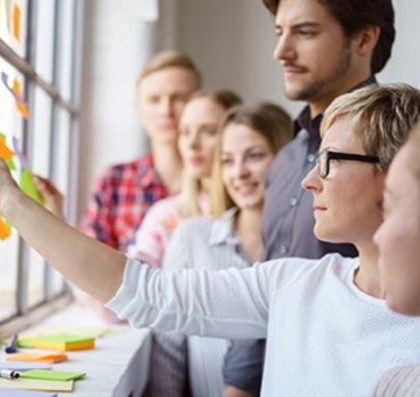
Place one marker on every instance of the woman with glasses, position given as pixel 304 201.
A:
pixel 329 332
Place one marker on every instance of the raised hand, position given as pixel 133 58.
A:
pixel 53 199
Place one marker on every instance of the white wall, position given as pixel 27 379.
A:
pixel 117 43
pixel 231 41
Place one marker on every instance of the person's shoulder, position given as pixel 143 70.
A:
pixel 196 225
pixel 134 166
pixel 164 206
pixel 399 381
pixel 299 269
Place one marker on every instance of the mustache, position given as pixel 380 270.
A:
pixel 290 65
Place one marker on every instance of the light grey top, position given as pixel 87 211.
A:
pixel 201 243
pixel 399 382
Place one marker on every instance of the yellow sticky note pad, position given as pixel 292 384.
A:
pixel 36 384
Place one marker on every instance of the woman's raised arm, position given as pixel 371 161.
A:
pixel 90 265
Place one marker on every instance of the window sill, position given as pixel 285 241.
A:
pixel 117 367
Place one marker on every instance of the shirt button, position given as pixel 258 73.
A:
pixel 293 202
pixel 283 249
pixel 311 158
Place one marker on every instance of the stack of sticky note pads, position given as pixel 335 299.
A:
pixel 38 376
pixel 63 342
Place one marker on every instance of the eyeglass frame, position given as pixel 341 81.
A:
pixel 330 155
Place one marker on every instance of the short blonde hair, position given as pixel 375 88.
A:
pixel 269 120
pixel 381 116
pixel 190 189
pixel 167 59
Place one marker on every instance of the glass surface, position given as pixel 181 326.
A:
pixel 65 48
pixel 13 24
pixel 40 165
pixel 44 42
pixel 11 126
pixel 61 172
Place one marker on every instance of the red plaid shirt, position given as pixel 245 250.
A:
pixel 121 199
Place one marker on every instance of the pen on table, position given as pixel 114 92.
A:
pixel 12 346
pixel 9 374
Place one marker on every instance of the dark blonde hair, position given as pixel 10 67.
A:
pixel 167 59
pixel 380 115
pixel 189 196
pixel 269 120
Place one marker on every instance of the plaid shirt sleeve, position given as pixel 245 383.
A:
pixel 97 221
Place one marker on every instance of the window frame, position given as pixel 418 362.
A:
pixel 24 315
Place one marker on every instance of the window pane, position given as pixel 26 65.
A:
pixel 60 175
pixel 41 142
pixel 11 126
pixel 13 23
pixel 65 47
pixel 44 43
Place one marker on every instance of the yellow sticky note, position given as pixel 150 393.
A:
pixel 36 384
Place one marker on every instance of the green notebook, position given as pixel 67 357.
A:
pixel 46 374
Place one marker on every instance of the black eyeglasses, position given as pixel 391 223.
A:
pixel 323 160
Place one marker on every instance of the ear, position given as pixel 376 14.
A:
pixel 367 39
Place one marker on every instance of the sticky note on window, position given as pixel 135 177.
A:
pixel 16 21
pixel 52 375
pixel 20 103
pixel 6 153
pixel 5 230
pixel 28 187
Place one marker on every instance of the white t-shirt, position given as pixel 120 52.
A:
pixel 324 336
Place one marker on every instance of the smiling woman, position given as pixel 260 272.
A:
pixel 330 310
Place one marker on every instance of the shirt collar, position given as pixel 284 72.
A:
pixel 304 121
pixel 222 229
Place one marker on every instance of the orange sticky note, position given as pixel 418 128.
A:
pixel 4 230
pixel 20 104
pixel 16 22
pixel 48 357
pixel 5 152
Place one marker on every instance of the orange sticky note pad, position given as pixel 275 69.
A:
pixel 47 358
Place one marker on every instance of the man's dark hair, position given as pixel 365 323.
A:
pixel 355 15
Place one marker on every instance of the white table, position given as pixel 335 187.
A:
pixel 117 367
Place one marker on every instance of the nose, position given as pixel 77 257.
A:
pixel 284 49
pixel 165 106
pixel 194 140
pixel 241 170
pixel 312 181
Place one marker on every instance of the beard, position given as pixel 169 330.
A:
pixel 317 89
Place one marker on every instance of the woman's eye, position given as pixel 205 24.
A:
pixel 257 156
